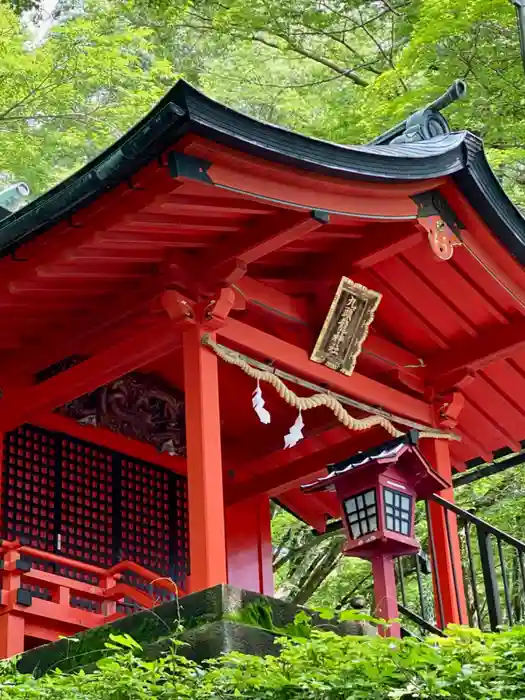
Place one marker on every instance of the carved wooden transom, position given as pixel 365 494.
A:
pixel 139 406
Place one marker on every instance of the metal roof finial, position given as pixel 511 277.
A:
pixel 426 123
pixel 11 197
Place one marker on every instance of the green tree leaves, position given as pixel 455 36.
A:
pixel 467 665
pixel 61 102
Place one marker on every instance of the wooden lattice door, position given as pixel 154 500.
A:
pixel 92 504
pixel 29 490
pixel 87 502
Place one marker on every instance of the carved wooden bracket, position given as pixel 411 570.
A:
pixel 441 238
pixel 448 409
pixel 210 313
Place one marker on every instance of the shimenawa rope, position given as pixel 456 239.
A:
pixel 314 401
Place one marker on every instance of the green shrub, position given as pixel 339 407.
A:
pixel 467 664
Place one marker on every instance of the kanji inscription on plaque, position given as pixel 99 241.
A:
pixel 346 326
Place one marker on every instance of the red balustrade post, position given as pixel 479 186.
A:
pixel 109 607
pixel 12 623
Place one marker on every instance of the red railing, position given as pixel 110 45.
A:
pixel 58 596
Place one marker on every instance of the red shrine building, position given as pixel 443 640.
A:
pixel 138 296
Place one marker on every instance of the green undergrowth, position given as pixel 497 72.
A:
pixel 466 664
pixel 261 615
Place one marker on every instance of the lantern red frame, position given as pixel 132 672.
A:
pixel 397 465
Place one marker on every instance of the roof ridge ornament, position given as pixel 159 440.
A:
pixel 426 123
pixel 11 198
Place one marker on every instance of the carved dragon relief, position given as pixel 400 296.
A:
pixel 139 406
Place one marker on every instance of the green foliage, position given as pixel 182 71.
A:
pixel 259 614
pixel 348 69
pixel 65 99
pixel 467 665
pixel 256 614
pixel 311 569
pixel 20 6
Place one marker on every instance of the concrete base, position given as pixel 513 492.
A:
pixel 214 621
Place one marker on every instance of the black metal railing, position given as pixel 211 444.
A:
pixel 492 575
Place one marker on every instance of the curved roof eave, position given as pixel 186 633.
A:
pixel 184 109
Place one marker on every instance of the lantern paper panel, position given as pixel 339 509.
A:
pixel 361 512
pixel 398 511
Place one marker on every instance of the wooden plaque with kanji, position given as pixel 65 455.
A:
pixel 346 326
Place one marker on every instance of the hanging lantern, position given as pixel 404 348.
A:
pixel 377 491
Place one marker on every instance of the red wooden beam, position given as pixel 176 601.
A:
pixel 106 212
pixel 271 301
pixel 484 246
pixel 135 449
pixel 392 354
pixel 297 360
pixel 80 334
pixel 338 444
pixel 136 351
pixel 507 438
pixel 295 310
pixel 264 238
pixel 216 205
pixel 494 343
pixel 390 242
pixel 371 278
pixel 164 234
pixel 376 244
pixel 292 186
pixel 311 508
pixel 84 334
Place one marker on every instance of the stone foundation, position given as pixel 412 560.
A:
pixel 211 622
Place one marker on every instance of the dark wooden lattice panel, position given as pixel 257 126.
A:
pixel 94 505
pixel 153 518
pixel 93 606
pixel 86 527
pixel 180 543
pixel 31 471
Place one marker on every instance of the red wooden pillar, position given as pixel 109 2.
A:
pixel 203 438
pixel 249 545
pixel 446 564
pixel 385 594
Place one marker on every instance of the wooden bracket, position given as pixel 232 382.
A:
pixel 177 307
pixel 451 382
pixel 441 237
pixel 410 380
pixel 230 272
pixel 210 314
pixel 216 311
pixel 448 409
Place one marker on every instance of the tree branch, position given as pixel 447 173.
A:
pixel 301 551
pixel 346 72
pixel 30 94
